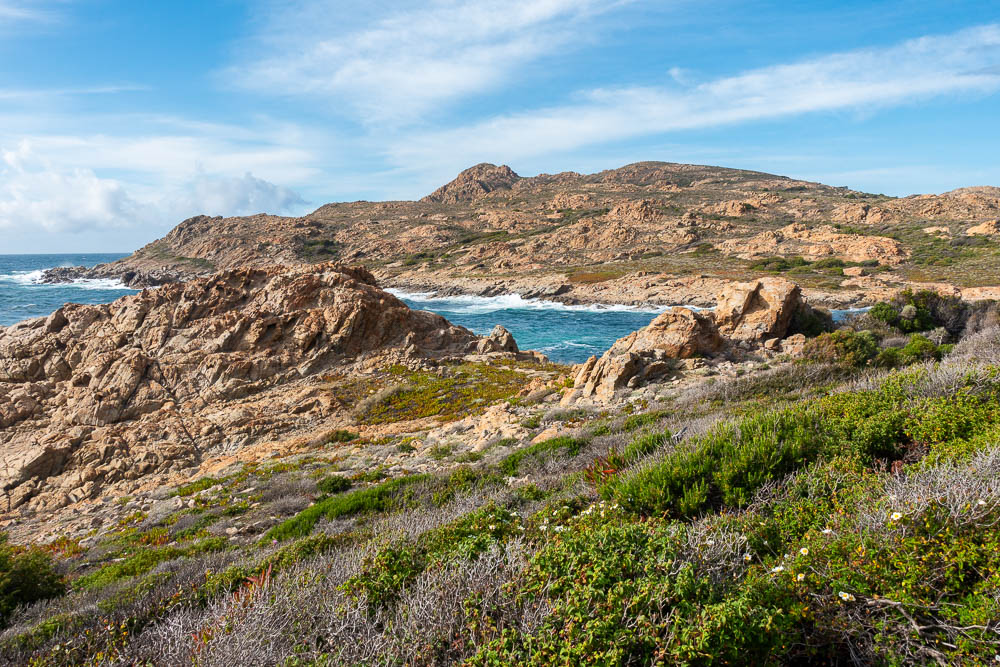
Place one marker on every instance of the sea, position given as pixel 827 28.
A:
pixel 22 296
pixel 566 334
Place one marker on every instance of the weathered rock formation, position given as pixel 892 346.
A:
pixel 473 183
pixel 94 396
pixel 754 315
pixel 814 243
pixel 647 354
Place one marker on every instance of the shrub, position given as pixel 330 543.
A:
pixel 850 348
pixel 26 575
pixel 334 484
pixel 340 435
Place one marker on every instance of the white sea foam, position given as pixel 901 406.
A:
pixel 34 279
pixel 489 304
pixel 22 277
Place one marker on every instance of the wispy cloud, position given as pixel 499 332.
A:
pixel 41 93
pixel 957 63
pixel 26 11
pixel 404 61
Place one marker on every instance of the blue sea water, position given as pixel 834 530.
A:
pixel 23 297
pixel 566 334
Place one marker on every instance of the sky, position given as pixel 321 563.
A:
pixel 119 119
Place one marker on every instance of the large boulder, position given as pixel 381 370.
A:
pixel 647 354
pixel 758 310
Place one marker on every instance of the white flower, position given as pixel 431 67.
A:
pixel 710 542
pixel 560 529
pixel 846 597
pixel 800 576
pixel 804 551
pixel 981 503
pixel 493 526
pixel 775 570
pixel 827 531
pixel 895 516
pixel 747 557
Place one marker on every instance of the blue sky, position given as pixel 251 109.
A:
pixel 120 118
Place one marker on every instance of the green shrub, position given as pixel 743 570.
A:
pixel 334 484
pixel 340 435
pixel 26 575
pixel 850 348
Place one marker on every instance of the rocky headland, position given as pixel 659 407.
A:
pixel 648 233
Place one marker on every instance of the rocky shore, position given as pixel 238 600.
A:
pixel 99 400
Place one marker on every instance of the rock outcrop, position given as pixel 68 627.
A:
pixel 94 396
pixel 988 228
pixel 749 316
pixel 473 183
pixel 647 354
pixel 756 311
pixel 814 243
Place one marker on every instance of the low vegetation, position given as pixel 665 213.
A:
pixel 835 510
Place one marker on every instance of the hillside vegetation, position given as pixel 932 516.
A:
pixel 840 509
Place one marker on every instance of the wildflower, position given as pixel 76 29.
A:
pixel 747 557
pixel 710 542
pixel 560 529
pixel 895 516
pixel 800 576
pixel 846 597
pixel 981 503
pixel 493 526
pixel 827 531
pixel 804 551
pixel 775 570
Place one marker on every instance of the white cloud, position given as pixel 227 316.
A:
pixel 36 193
pixel 231 196
pixel 957 63
pixel 406 61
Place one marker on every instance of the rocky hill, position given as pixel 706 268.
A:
pixel 599 237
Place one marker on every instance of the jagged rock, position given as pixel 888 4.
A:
pixel 97 395
pixel 649 353
pixel 861 214
pixel 499 340
pixel 755 311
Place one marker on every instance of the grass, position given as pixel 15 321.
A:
pixel 511 465
pixel 373 499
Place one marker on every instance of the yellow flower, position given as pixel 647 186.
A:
pixel 846 597
pixel 800 576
